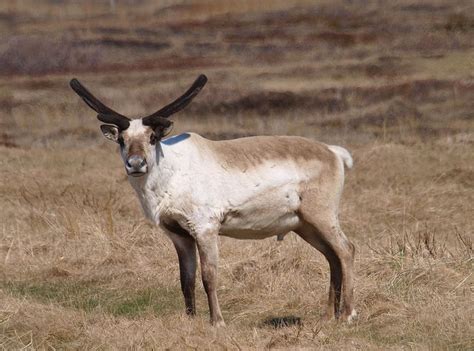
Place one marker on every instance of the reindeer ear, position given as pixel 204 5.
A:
pixel 162 131
pixel 110 132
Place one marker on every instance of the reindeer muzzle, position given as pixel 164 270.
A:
pixel 136 166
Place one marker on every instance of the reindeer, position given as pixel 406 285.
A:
pixel 249 188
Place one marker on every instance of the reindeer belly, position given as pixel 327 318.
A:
pixel 266 213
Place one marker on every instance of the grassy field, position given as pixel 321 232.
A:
pixel 393 82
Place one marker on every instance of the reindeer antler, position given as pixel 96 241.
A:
pixel 105 113
pixel 159 117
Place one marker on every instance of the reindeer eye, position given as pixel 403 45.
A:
pixel 152 138
pixel 120 141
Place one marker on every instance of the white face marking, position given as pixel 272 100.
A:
pixel 136 128
pixel 137 152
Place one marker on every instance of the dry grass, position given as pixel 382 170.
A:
pixel 80 267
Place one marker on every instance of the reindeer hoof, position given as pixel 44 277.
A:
pixel 352 317
pixel 219 324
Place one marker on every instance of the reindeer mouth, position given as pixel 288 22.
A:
pixel 137 174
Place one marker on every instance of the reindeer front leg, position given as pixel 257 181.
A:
pixel 186 248
pixel 208 253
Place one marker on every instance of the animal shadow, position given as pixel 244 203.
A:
pixel 282 322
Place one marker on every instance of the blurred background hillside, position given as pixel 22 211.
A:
pixel 393 81
pixel 338 69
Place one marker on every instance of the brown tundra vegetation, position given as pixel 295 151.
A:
pixel 393 82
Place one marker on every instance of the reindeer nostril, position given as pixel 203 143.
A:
pixel 135 162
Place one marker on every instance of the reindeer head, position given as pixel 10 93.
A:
pixel 137 138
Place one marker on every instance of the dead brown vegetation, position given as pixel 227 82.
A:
pixel 80 267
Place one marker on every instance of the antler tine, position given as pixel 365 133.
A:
pixel 180 102
pixel 105 113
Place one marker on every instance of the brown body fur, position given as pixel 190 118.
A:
pixel 250 152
